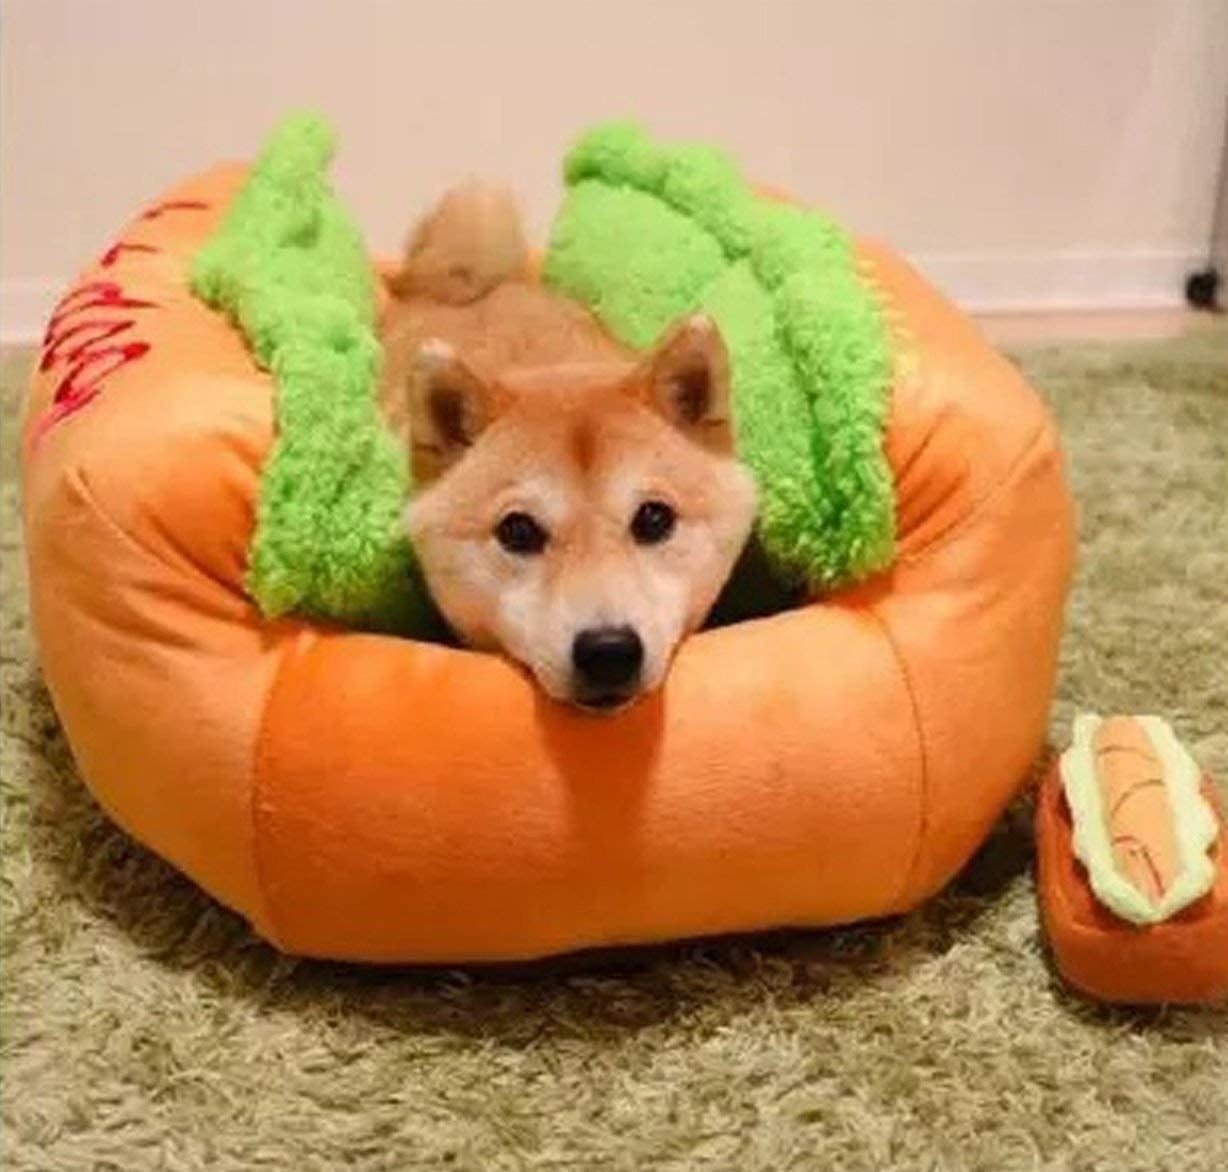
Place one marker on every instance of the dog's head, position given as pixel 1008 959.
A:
pixel 581 518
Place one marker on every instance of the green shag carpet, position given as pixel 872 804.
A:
pixel 143 1028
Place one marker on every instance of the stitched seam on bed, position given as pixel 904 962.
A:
pixel 78 478
pixel 923 820
pixel 956 529
pixel 260 773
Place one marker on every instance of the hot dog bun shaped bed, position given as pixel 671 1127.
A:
pixel 373 798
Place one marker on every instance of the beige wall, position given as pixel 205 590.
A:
pixel 1024 151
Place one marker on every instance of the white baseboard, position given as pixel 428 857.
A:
pixel 980 282
pixel 1053 281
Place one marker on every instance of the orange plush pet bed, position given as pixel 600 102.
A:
pixel 369 796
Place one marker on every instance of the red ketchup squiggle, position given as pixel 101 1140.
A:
pixel 83 336
pixel 90 348
pixel 75 389
pixel 112 254
pixel 173 205
pixel 86 347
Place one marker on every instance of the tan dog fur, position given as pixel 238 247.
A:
pixel 516 401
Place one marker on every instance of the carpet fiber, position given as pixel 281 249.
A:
pixel 144 1028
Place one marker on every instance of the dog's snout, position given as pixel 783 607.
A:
pixel 607 660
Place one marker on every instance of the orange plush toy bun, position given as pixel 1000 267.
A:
pixel 375 798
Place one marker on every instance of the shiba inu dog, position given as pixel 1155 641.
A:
pixel 577 506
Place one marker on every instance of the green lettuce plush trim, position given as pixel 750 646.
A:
pixel 290 269
pixel 647 233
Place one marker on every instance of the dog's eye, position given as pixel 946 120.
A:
pixel 653 522
pixel 519 533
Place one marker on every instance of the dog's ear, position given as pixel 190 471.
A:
pixel 686 377
pixel 449 406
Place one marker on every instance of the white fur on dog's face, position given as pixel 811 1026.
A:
pixel 579 451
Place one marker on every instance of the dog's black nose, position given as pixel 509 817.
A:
pixel 607 662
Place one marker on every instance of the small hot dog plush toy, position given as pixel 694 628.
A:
pixel 1132 865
